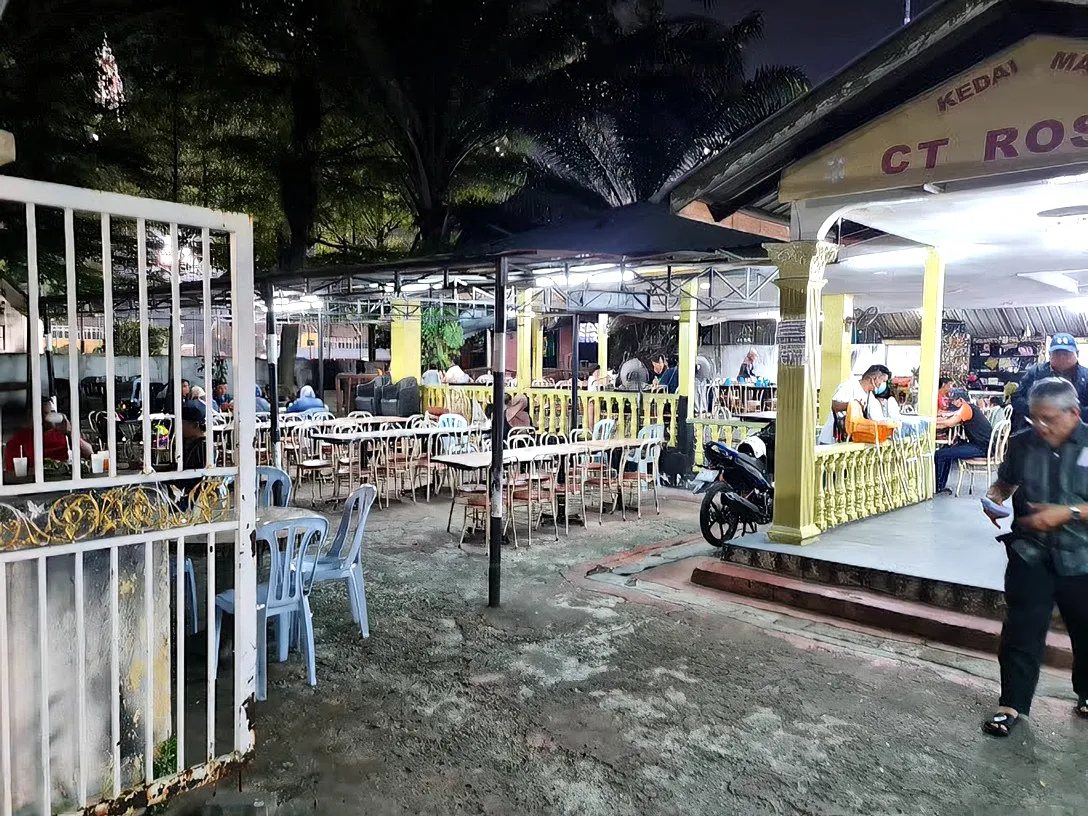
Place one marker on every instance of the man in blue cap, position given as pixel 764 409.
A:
pixel 1063 363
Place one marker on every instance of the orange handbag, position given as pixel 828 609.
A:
pixel 867 431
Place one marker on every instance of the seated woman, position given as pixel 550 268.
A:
pixel 307 402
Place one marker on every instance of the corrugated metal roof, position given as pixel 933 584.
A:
pixel 1034 321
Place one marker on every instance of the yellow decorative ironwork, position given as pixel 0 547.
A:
pixel 729 431
pixel 128 510
pixel 550 407
pixel 858 481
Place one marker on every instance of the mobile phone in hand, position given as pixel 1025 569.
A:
pixel 995 509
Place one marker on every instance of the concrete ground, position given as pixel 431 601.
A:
pixel 628 694
pixel 947 539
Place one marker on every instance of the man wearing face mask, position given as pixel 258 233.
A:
pixel 1063 363
pixel 858 390
pixel 976 429
pixel 882 398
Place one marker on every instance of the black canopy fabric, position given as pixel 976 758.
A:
pixel 637 231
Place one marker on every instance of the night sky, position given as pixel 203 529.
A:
pixel 820 36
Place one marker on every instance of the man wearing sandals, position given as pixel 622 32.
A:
pixel 1046 473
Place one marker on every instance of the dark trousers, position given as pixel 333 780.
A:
pixel 1031 590
pixel 945 456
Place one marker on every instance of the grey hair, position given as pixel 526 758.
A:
pixel 1055 391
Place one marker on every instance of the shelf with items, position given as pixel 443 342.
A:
pixel 998 361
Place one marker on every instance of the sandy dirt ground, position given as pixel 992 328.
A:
pixel 571 700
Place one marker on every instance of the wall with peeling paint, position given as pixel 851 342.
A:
pixel 24 651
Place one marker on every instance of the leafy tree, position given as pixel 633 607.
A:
pixel 644 103
pixel 441 336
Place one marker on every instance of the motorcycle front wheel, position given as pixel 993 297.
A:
pixel 717 520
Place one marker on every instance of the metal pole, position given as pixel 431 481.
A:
pixel 47 327
pixel 575 365
pixel 272 346
pixel 906 12
pixel 321 355
pixel 498 420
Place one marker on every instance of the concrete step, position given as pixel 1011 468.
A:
pixel 872 609
pixel 989 603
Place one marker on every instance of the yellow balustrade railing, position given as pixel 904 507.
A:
pixel 855 481
pixel 729 431
pixel 550 407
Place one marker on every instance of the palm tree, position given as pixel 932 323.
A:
pixel 646 103
pixel 442 81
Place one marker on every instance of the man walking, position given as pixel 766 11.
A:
pixel 1046 473
pixel 1063 363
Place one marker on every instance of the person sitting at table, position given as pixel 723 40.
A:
pixel 665 376
pixel 517 412
pixel 223 400
pixel 944 391
pixel 748 367
pixel 55 442
pixel 882 398
pixel 262 405
pixel 976 428
pixel 853 390
pixel 455 375
pixel 194 451
pixel 307 402
pixel 432 376
pixel 199 400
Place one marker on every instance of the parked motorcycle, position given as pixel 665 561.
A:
pixel 737 486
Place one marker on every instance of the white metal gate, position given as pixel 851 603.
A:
pixel 107 698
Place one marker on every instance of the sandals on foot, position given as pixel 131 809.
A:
pixel 1001 725
pixel 1082 708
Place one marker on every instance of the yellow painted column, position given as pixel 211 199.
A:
pixel 538 348
pixel 525 338
pixel 801 267
pixel 602 342
pixel 929 370
pixel 834 348
pixel 405 340
pixel 689 343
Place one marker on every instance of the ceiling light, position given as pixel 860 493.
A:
pixel 1068 179
pixel 704 285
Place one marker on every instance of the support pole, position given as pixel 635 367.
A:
pixel 801 266
pixel 538 348
pixel 688 346
pixel 929 368
pixel 834 348
pixel 498 420
pixel 272 348
pixel 575 366
pixel 321 355
pixel 525 339
pixel 602 343
pixel 51 378
pixel 406 340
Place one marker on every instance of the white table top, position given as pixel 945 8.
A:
pixel 270 515
pixel 348 437
pixel 482 459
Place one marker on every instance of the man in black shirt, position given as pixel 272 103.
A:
pixel 976 429
pixel 1046 473
pixel 1063 363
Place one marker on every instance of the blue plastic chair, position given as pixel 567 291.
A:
pixel 282 597
pixel 267 479
pixel 453 443
pixel 344 560
pixel 190 586
pixel 604 429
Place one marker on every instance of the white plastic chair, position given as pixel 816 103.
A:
pixel 281 597
pixel 344 560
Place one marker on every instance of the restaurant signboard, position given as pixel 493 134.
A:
pixel 1025 109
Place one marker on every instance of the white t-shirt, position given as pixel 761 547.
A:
pixel 847 392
